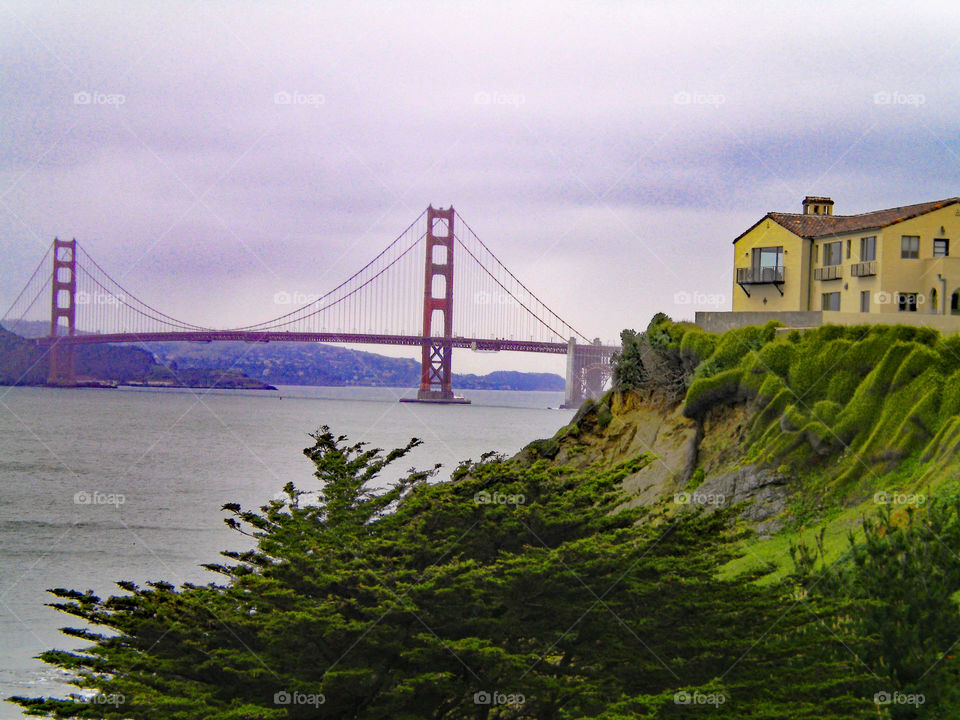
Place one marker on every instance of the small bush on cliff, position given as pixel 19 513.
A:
pixel 706 393
pixel 655 360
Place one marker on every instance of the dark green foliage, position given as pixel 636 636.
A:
pixel 777 356
pixel 604 415
pixel 547 448
pixel 629 370
pixel 736 344
pixel 697 345
pixel 898 594
pixel 406 603
pixel 657 360
pixel 706 393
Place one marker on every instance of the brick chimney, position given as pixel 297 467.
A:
pixel 813 205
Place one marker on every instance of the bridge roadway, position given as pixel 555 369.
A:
pixel 483 344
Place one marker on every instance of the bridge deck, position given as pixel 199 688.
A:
pixel 483 344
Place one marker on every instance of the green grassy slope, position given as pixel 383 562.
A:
pixel 857 417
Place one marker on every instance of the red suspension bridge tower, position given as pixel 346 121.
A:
pixel 436 376
pixel 63 305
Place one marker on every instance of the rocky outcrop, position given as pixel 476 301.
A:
pixel 679 450
pixel 764 492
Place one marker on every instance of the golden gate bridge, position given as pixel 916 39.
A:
pixel 403 296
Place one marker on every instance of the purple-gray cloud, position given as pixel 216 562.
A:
pixel 213 153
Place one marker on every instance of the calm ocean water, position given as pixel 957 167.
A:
pixel 69 457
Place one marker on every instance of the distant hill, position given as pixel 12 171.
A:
pixel 199 364
pixel 23 363
pixel 319 364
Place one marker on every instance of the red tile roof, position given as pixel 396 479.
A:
pixel 818 226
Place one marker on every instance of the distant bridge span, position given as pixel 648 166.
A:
pixel 378 305
pixel 482 344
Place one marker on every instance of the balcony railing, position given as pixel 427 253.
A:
pixel 830 272
pixel 863 269
pixel 760 276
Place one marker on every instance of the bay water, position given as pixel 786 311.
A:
pixel 98 486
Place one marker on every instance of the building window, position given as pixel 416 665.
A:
pixel 868 249
pixel 832 253
pixel 907 302
pixel 830 301
pixel 909 246
pixel 864 301
pixel 941 247
pixel 849 243
pixel 767 262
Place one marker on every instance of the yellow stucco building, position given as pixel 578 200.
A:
pixel 890 266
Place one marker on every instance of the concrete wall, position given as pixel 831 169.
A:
pixel 946 324
pixel 722 321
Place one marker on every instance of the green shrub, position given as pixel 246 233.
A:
pixel 860 415
pixel 950 404
pixel 767 419
pixel 698 345
pixel 547 448
pixel 793 419
pixel 771 387
pixel 820 437
pixel 826 411
pixel 604 416
pixel 919 359
pixel 813 365
pixel 708 392
pixel 776 356
pixel 842 385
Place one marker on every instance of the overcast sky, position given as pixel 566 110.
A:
pixel 608 152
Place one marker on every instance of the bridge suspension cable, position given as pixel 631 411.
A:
pixel 20 309
pixel 512 294
pixel 309 315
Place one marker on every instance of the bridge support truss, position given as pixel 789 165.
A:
pixel 63 305
pixel 588 369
